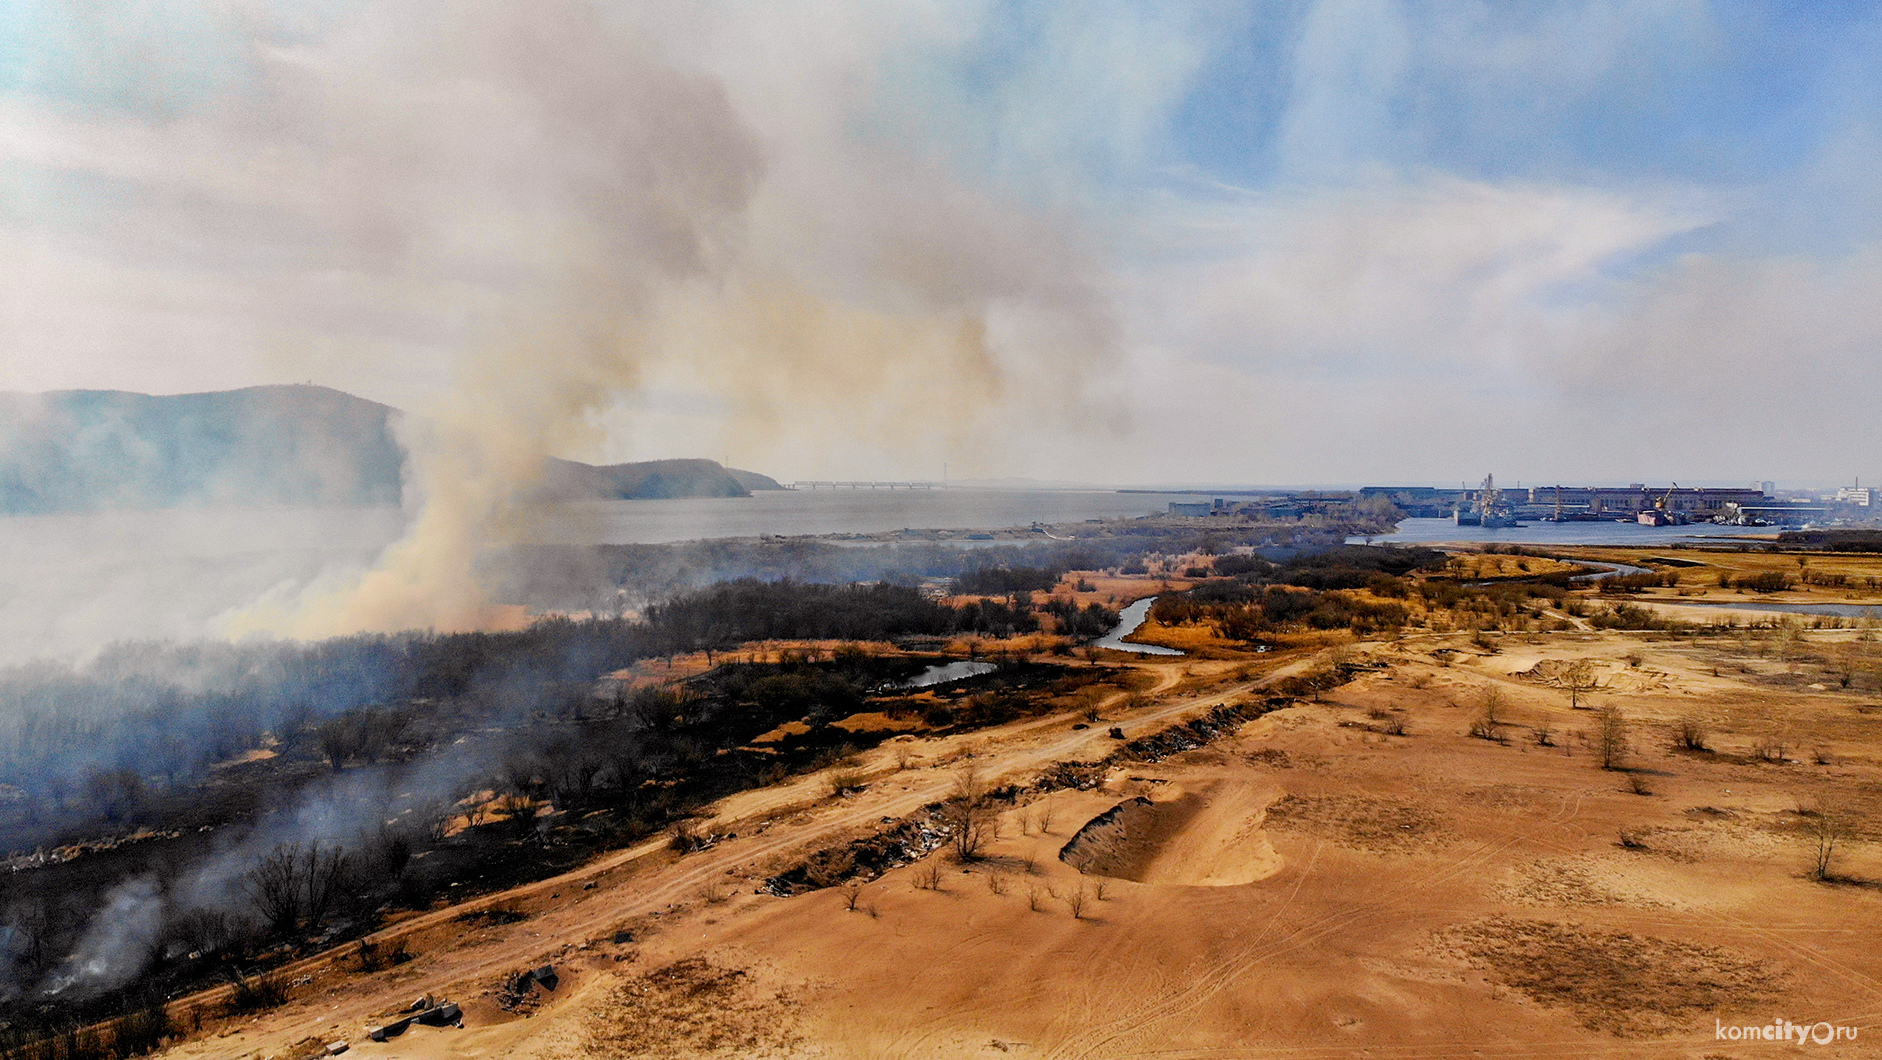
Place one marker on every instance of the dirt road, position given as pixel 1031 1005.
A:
pixel 647 879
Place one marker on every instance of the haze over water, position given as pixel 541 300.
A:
pixel 841 511
pixel 75 582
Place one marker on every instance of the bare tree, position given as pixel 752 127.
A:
pixel 274 888
pixel 1611 737
pixel 1827 829
pixel 968 813
pixel 1579 679
pixel 339 740
pixel 328 874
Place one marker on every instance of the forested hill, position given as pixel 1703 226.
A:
pixel 649 480
pixel 265 446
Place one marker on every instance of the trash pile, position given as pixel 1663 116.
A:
pixel 439 1013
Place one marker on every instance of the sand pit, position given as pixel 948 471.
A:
pixel 1210 836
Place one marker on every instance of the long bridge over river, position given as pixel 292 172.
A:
pixel 866 486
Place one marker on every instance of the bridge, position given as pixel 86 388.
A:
pixel 867 486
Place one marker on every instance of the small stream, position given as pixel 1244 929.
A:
pixel 943 673
pixel 1608 570
pixel 1128 621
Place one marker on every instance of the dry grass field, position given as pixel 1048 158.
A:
pixel 1819 577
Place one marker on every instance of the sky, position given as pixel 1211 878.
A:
pixel 1344 241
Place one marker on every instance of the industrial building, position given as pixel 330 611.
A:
pixel 1619 502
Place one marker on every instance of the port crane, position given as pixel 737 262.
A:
pixel 1662 513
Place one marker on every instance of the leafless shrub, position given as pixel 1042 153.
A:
pixel 904 756
pixel 1611 737
pixel 374 956
pixel 844 782
pixel 996 882
pixel 1493 705
pixel 1075 900
pixel 254 993
pixel 686 838
pixel 1691 734
pixel 1822 756
pixel 1771 749
pixel 1045 817
pixel 968 813
pixel 928 877
pixel 1545 737
pixel 1827 829
pixel 1486 728
pixel 1103 889
pixel 852 893
pixel 1637 783
pixel 1033 897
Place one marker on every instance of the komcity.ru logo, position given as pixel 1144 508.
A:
pixel 1822 1032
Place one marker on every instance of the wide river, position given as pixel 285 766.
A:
pixel 70 583
pixel 1432 531
pixel 842 511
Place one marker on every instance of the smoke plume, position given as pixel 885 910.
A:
pixel 557 202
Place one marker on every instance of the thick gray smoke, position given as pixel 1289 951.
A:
pixel 534 206
pixel 510 219
pixel 525 223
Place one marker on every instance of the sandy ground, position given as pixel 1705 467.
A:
pixel 1311 885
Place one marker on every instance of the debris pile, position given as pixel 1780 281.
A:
pixel 439 1013
pixel 905 841
pixel 518 991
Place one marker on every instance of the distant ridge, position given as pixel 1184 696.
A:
pixel 265 446
pixel 651 480
pixel 88 450
pixel 752 480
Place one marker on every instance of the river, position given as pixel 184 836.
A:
pixel 843 511
pixel 71 583
pixel 1435 531
pixel 1127 622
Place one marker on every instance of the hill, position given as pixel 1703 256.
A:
pixel 649 480
pixel 88 450
pixel 265 446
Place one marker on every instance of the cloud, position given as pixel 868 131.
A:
pixel 1447 274
pixel 848 238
